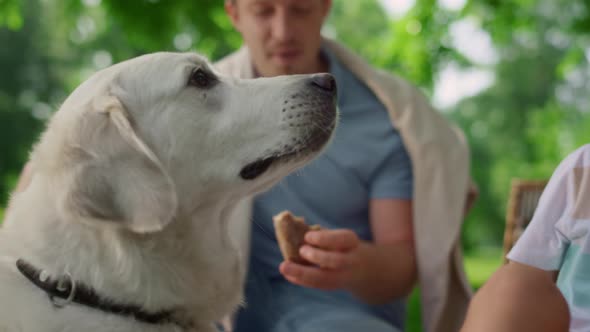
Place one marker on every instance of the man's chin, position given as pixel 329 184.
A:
pixel 278 71
pixel 278 66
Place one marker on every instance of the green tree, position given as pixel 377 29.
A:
pixel 522 126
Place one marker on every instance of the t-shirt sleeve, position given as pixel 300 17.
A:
pixel 545 239
pixel 393 178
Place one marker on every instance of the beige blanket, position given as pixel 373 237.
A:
pixel 440 159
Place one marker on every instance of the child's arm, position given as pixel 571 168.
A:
pixel 518 298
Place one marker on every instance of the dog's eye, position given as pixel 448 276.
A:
pixel 201 79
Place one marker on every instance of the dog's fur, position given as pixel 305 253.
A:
pixel 133 182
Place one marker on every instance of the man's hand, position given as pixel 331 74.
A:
pixel 376 272
pixel 336 256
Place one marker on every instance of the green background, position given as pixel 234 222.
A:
pixel 531 115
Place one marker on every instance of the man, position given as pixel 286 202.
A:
pixel 365 190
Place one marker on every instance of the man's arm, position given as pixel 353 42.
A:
pixel 390 261
pixel 518 298
pixel 378 271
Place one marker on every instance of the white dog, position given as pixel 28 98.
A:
pixel 124 225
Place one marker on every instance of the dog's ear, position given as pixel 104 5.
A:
pixel 117 179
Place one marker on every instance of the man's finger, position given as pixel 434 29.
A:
pixel 334 260
pixel 337 239
pixel 309 276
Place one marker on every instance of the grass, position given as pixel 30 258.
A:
pixel 479 266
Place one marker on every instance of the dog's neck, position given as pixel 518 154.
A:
pixel 183 266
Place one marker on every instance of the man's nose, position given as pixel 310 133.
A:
pixel 282 27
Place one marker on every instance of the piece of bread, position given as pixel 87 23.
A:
pixel 290 231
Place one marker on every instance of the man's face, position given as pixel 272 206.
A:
pixel 283 36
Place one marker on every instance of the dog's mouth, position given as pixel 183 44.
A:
pixel 306 148
pixel 260 166
pixel 305 144
pixel 255 169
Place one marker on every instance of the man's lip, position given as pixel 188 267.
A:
pixel 286 54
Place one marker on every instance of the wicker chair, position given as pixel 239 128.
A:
pixel 524 197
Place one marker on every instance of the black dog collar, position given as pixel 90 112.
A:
pixel 63 291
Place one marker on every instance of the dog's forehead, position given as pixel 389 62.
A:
pixel 161 63
pixel 155 65
pixel 169 60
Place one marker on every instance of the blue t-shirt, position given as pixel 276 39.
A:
pixel 366 159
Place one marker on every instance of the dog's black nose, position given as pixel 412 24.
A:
pixel 325 82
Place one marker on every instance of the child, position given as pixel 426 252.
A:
pixel 549 267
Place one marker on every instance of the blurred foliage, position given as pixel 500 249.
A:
pixel 10 14
pixel 533 114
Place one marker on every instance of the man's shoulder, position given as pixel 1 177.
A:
pixel 352 60
pixel 227 60
pixel 369 74
pixel 234 64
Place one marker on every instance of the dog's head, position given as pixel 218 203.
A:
pixel 163 134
